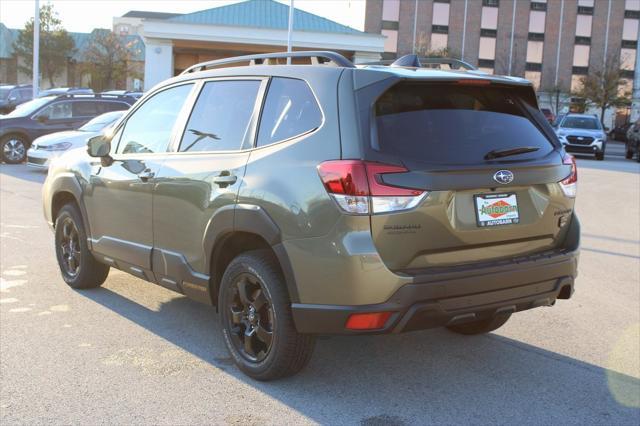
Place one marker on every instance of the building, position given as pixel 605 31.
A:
pixel 553 43
pixel 71 74
pixel 174 42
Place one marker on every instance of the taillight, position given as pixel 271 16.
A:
pixel 570 184
pixel 368 321
pixel 357 187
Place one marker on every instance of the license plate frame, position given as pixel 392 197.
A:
pixel 510 203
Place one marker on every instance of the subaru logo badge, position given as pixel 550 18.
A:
pixel 503 176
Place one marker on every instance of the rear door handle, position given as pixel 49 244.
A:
pixel 146 174
pixel 225 179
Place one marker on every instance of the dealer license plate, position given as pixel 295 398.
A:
pixel 496 209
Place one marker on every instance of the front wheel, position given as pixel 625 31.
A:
pixel 78 266
pixel 256 320
pixel 600 156
pixel 482 326
pixel 13 149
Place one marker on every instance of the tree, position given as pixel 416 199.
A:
pixel 107 58
pixel 601 87
pixel 56 46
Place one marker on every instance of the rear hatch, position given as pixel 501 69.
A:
pixel 484 167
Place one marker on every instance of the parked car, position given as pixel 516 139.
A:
pixel 632 146
pixel 132 93
pixel 619 133
pixel 51 114
pixel 549 115
pixel 13 95
pixel 314 199
pixel 46 148
pixel 583 133
pixel 65 91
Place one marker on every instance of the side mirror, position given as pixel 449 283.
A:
pixel 13 98
pixel 100 146
pixel 606 129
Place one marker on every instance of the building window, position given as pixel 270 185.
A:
pixel 486 65
pixel 439 41
pixel 583 10
pixel 391 10
pixel 440 29
pixel 534 52
pixel 440 14
pixel 629 44
pixel 488 33
pixel 491 3
pixel 533 67
pixel 391 42
pixel 576 83
pixel 487 48
pixel 536 37
pixel 390 25
pixel 581 56
pixel 537 21
pixel 489 19
pixel 583 25
pixel 630 29
pixel 534 78
pixel 537 5
pixel 580 70
pixel 633 14
pixel 583 40
pixel 627 59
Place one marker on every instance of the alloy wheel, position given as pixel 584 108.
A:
pixel 70 248
pixel 250 318
pixel 14 149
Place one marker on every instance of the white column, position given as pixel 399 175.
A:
pixel 158 61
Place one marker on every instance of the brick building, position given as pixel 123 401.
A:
pixel 550 42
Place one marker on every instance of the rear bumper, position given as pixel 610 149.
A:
pixel 451 297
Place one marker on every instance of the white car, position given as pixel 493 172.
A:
pixel 48 147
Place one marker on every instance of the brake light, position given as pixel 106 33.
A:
pixel 358 188
pixel 570 184
pixel 368 321
pixel 474 82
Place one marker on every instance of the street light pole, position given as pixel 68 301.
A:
pixel 36 49
pixel 289 45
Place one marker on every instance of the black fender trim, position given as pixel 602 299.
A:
pixel 68 183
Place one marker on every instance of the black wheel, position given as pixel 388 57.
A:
pixel 78 266
pixel 13 149
pixel 482 326
pixel 628 154
pixel 256 319
pixel 600 156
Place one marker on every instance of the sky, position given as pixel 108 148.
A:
pixel 85 15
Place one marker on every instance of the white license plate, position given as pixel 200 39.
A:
pixel 496 209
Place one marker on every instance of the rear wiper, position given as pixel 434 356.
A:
pixel 499 153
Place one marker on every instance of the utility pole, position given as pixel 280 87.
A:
pixel 36 50
pixel 289 46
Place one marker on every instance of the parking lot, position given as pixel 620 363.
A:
pixel 132 352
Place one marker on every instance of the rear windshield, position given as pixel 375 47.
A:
pixel 588 123
pixel 448 123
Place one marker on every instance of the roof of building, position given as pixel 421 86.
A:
pixel 133 42
pixel 149 15
pixel 263 14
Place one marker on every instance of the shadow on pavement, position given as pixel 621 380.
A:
pixel 20 171
pixel 422 377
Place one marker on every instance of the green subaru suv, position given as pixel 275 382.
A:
pixel 320 197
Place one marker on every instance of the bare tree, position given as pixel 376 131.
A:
pixel 108 58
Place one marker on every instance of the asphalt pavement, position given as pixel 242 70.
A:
pixel 131 352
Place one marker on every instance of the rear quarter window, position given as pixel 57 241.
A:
pixel 448 123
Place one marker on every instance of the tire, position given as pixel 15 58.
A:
pixel 600 156
pixel 256 319
pixel 483 326
pixel 628 154
pixel 13 149
pixel 77 265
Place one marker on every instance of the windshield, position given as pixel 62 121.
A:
pixel 4 92
pixel 456 124
pixel 588 123
pixel 101 122
pixel 28 108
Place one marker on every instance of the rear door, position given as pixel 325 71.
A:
pixel 479 203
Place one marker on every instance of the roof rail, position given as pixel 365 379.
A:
pixel 413 61
pixel 90 96
pixel 317 57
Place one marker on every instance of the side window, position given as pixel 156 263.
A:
pixel 290 110
pixel 85 109
pixel 26 93
pixel 149 128
pixel 113 106
pixel 57 111
pixel 221 116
